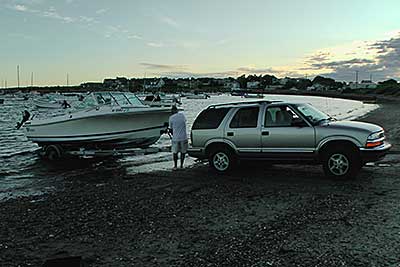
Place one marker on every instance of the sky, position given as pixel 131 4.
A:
pixel 95 39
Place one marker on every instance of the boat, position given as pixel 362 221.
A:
pixel 110 120
pixel 198 96
pixel 161 100
pixel 56 104
pixel 253 95
pixel 53 101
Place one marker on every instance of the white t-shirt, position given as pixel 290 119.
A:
pixel 177 123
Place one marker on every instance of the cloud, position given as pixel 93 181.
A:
pixel 384 64
pixel 254 70
pixel 135 36
pixel 155 44
pixel 355 62
pixel 88 20
pixel 319 56
pixel 52 13
pixel 182 71
pixel 163 66
pixel 21 8
pixel 170 21
pixel 101 11
pixel 185 74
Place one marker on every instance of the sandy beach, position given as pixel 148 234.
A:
pixel 280 215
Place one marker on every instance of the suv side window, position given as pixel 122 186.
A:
pixel 210 118
pixel 245 118
pixel 281 116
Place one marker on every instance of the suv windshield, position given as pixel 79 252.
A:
pixel 312 114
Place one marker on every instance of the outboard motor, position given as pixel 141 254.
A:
pixel 65 104
pixel 26 115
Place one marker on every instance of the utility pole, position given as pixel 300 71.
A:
pixel 144 82
pixel 356 79
pixel 67 79
pixel 32 79
pixel 5 83
pixel 18 75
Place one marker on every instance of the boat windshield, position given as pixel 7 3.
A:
pixel 314 115
pixel 134 99
pixel 117 99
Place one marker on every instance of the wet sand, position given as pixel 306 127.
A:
pixel 280 215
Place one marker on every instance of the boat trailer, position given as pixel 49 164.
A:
pixel 56 152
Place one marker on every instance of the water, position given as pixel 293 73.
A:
pixel 23 172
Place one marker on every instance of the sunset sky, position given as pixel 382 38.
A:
pixel 95 39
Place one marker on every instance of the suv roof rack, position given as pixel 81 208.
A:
pixel 243 103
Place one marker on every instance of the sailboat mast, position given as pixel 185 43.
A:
pixel 18 75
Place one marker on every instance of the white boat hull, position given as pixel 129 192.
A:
pixel 48 105
pixel 197 97
pixel 131 128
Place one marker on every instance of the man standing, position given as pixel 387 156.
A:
pixel 177 127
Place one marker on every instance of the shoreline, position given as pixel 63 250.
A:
pixel 284 215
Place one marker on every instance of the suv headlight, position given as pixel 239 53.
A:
pixel 375 139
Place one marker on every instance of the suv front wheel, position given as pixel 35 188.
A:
pixel 340 163
pixel 222 160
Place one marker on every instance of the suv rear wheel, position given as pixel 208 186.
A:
pixel 341 163
pixel 222 160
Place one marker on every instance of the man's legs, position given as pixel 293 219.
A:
pixel 174 149
pixel 182 159
pixel 175 155
pixel 184 148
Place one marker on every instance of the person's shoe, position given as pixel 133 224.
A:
pixel 174 168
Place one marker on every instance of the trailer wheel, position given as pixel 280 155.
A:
pixel 53 152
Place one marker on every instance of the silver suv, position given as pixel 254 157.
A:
pixel 284 132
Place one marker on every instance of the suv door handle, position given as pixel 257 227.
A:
pixel 264 133
pixel 229 134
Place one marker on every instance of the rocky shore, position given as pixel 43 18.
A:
pixel 280 215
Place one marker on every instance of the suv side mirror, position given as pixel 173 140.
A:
pixel 298 122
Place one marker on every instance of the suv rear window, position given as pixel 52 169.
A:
pixel 245 118
pixel 210 118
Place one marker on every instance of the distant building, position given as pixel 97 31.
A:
pixel 253 85
pixel 273 87
pixel 119 83
pixel 184 84
pixel 365 84
pixel 155 85
pixel 231 85
pixel 92 86
pixel 317 87
pixel 284 81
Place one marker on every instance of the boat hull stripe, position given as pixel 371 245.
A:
pixel 100 134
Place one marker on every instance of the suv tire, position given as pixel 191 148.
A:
pixel 222 160
pixel 340 163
